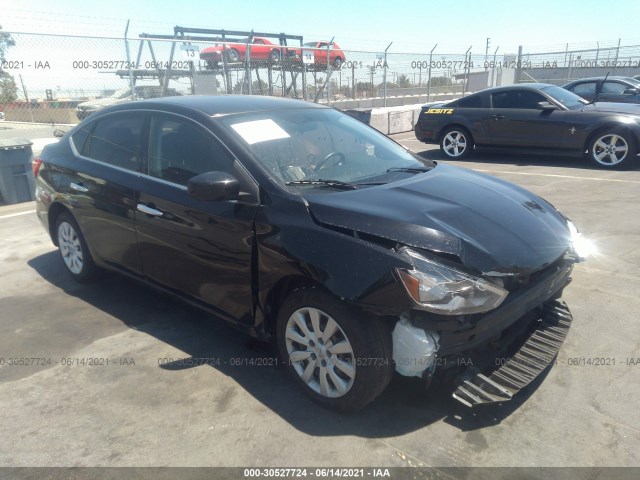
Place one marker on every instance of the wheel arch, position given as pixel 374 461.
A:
pixel 456 124
pixel 279 292
pixel 610 126
pixel 54 212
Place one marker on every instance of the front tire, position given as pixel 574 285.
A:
pixel 612 150
pixel 233 56
pixel 73 249
pixel 341 359
pixel 456 143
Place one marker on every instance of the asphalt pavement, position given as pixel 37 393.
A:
pixel 112 373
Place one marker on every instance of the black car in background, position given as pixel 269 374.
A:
pixel 297 223
pixel 606 89
pixel 534 118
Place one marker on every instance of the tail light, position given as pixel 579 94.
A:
pixel 35 165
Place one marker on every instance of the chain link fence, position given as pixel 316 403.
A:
pixel 61 79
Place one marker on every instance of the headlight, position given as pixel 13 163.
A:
pixel 582 246
pixel 445 290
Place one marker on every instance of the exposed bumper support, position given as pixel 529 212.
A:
pixel 536 354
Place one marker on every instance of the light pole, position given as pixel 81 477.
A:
pixel 429 80
pixel 384 79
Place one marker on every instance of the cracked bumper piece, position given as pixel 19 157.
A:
pixel 518 371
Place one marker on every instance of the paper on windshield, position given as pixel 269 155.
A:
pixel 259 131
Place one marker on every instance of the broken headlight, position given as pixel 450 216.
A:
pixel 442 289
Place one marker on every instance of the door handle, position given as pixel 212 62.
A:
pixel 498 116
pixel 78 187
pixel 148 210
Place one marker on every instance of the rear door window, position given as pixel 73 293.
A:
pixel 117 140
pixel 522 99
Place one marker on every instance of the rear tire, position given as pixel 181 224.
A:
pixel 274 56
pixel 341 359
pixel 73 249
pixel 612 149
pixel 456 143
pixel 233 56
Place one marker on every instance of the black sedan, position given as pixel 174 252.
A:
pixel 299 224
pixel 534 118
pixel 606 89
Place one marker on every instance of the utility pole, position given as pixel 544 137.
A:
pixel 384 81
pixel 486 53
pixel 429 81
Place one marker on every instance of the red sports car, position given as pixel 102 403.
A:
pixel 262 49
pixel 336 55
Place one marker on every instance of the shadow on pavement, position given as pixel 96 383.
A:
pixel 404 407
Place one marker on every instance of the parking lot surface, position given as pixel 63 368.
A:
pixel 115 374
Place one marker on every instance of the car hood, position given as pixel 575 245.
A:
pixel 491 225
pixel 625 108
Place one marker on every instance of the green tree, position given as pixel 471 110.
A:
pixel 440 81
pixel 8 87
pixel 404 81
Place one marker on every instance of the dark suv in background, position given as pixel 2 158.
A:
pixel 613 89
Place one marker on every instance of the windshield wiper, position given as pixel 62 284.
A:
pixel 409 169
pixel 328 183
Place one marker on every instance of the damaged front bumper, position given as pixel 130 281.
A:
pixel 493 356
pixel 519 369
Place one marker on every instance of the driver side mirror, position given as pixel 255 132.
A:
pixel 546 106
pixel 630 91
pixel 214 186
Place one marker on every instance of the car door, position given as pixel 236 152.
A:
pixel 259 50
pixel 101 187
pixel 320 53
pixel 617 91
pixel 514 120
pixel 201 249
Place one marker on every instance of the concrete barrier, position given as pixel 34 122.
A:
pixel 42 115
pixel 400 115
pixel 390 120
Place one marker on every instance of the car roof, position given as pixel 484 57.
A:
pixel 596 79
pixel 225 104
pixel 517 86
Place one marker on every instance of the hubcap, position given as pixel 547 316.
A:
pixel 320 352
pixel 70 247
pixel 610 150
pixel 454 144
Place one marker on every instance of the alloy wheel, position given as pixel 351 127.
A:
pixel 320 352
pixel 454 144
pixel 610 149
pixel 70 247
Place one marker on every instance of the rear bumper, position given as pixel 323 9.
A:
pixel 515 371
pixel 426 136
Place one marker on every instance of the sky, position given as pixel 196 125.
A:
pixel 412 26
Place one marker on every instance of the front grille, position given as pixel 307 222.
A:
pixel 535 355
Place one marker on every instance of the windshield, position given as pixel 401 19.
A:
pixel 565 97
pixel 635 82
pixel 305 145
